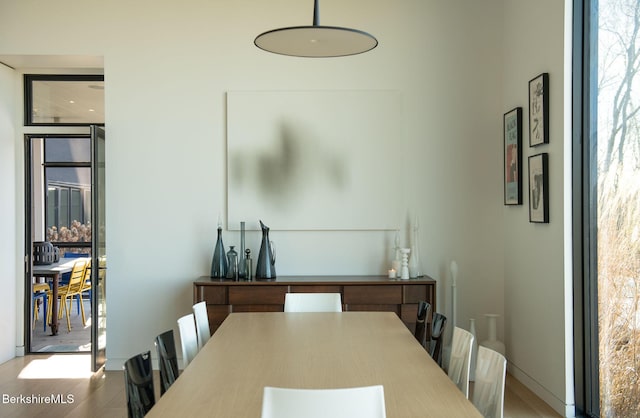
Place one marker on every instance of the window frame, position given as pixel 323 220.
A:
pixel 584 194
pixel 28 95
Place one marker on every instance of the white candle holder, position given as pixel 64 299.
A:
pixel 404 271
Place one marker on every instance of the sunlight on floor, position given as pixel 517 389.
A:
pixel 58 366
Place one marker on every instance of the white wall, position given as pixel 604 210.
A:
pixel 9 254
pixel 539 344
pixel 167 68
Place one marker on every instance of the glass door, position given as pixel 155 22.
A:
pixel 57 211
pixel 98 251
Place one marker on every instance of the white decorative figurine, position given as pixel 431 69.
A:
pixel 405 263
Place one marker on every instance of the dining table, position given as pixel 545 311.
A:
pixel 252 350
pixel 53 272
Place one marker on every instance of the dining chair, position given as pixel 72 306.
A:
pixel 40 292
pixel 421 322
pixel 488 388
pixel 86 284
pixel 357 402
pixel 203 331
pixel 188 338
pixel 138 378
pixel 460 360
pixel 438 325
pixel 312 302
pixel 167 360
pixel 77 292
pixel 75 281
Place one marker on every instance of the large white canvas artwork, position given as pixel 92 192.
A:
pixel 315 160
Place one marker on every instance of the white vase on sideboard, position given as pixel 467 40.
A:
pixel 415 268
pixel 492 342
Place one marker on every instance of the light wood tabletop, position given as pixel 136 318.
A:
pixel 311 350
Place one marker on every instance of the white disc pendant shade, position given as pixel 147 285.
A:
pixel 316 41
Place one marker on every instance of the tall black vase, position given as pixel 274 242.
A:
pixel 266 267
pixel 219 263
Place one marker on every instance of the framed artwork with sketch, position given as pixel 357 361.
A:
pixel 513 157
pixel 539 110
pixel 539 188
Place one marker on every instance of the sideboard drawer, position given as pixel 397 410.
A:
pixel 258 295
pixel 415 293
pixel 369 295
pixel 213 295
pixel 315 288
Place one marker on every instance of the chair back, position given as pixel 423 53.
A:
pixel 202 323
pixel 188 338
pixel 421 322
pixel 167 360
pixel 138 378
pixel 359 402
pixel 488 389
pixel 438 325
pixel 460 361
pixel 64 277
pixel 86 277
pixel 312 302
pixel 77 276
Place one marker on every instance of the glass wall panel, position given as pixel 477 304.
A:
pixel 618 204
pixel 59 150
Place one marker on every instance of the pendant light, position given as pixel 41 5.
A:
pixel 316 41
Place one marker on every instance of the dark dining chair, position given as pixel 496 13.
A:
pixel 138 378
pixel 438 325
pixel 421 322
pixel 167 359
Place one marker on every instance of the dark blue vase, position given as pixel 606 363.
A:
pixel 266 267
pixel 219 264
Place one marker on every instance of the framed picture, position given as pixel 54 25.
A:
pixel 539 110
pixel 513 157
pixel 539 188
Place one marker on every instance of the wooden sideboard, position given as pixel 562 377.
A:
pixel 359 293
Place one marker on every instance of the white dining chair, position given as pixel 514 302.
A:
pixel 202 323
pixel 188 338
pixel 460 360
pixel 312 302
pixel 358 402
pixel 488 389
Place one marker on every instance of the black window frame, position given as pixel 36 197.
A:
pixel 59 164
pixel 28 95
pixel 584 197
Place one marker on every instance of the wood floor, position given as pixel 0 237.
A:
pixel 36 377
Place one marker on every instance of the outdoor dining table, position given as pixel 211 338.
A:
pixel 311 350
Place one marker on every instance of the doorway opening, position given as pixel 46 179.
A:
pixel 59 208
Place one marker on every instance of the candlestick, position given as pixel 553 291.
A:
pixel 404 275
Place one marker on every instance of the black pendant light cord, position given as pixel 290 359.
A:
pixel 316 13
